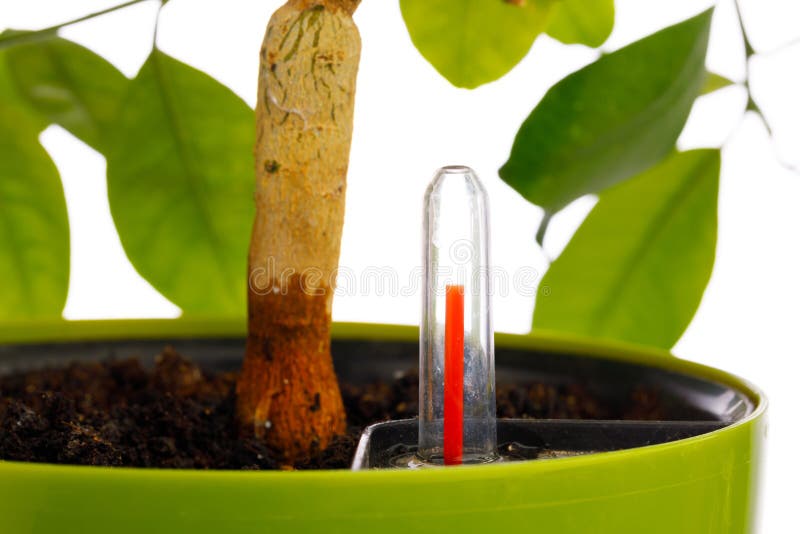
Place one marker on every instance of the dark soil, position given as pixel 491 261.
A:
pixel 118 413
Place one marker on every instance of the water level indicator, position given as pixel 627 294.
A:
pixel 457 390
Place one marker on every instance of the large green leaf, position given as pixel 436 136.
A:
pixel 69 85
pixel 472 42
pixel 10 97
pixel 610 120
pixel 587 22
pixel 180 185
pixel 34 232
pixel 637 267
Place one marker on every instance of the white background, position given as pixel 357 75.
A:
pixel 409 121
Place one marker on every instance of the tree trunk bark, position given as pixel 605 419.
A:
pixel 287 391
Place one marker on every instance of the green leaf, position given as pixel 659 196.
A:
pixel 610 120
pixel 34 232
pixel 69 85
pixel 472 42
pixel 9 95
pixel 637 267
pixel 714 82
pixel 180 185
pixel 587 22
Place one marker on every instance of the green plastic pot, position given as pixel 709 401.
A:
pixel 707 483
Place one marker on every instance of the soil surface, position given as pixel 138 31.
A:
pixel 175 414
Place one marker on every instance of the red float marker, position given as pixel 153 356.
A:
pixel 454 375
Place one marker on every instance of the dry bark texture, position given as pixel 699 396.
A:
pixel 287 391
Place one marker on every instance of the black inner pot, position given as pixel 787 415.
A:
pixel 689 405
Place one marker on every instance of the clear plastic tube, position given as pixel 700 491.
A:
pixel 457 388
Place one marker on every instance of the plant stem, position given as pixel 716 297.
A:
pixel 542 230
pixel 155 24
pixel 287 391
pixel 47 33
pixel 749 52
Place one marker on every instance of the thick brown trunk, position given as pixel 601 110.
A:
pixel 287 391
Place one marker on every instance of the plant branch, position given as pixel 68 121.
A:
pixel 18 38
pixel 155 25
pixel 542 230
pixel 750 52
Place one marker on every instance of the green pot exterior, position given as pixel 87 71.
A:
pixel 706 484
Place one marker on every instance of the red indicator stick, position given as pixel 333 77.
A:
pixel 454 375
